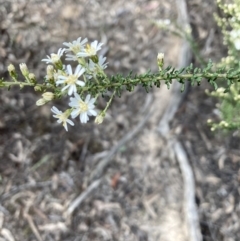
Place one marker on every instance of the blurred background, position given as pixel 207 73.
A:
pixel 52 184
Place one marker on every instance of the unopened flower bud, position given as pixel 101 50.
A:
pixel 50 74
pixel 32 77
pixel 160 60
pixel 12 71
pixel 11 68
pixel 94 58
pixel 37 88
pixel 100 117
pixel 48 96
pixel 41 102
pixel 24 69
pixel 50 70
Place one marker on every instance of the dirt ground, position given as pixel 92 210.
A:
pixel 139 195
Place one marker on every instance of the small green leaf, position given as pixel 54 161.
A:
pixel 183 87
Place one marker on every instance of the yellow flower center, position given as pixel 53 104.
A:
pixel 63 117
pixel 83 106
pixel 90 50
pixel 71 79
pixel 75 48
pixel 55 58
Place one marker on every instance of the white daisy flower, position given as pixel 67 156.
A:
pixel 71 57
pixel 93 67
pixel 55 58
pixel 62 117
pixel 90 50
pixel 71 80
pixel 76 46
pixel 82 108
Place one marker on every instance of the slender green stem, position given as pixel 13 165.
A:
pixel 110 101
pixel 119 81
pixel 8 83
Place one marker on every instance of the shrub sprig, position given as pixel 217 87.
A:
pixel 86 82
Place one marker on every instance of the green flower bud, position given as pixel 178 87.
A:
pixel 94 58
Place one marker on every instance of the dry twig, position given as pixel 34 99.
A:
pixel 104 163
pixel 77 202
pixel 16 189
pixel 33 227
pixel 7 234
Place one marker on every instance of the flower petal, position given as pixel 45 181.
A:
pixel 69 69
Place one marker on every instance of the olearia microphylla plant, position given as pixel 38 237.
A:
pixel 84 80
pixel 229 102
